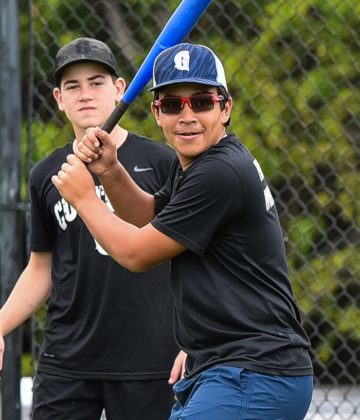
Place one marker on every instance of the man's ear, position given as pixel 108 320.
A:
pixel 225 113
pixel 120 86
pixel 155 111
pixel 58 98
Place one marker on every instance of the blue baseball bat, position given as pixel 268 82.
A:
pixel 178 26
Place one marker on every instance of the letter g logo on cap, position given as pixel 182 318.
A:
pixel 182 60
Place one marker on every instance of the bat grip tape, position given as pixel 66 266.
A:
pixel 115 116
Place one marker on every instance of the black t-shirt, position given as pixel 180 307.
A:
pixel 233 297
pixel 103 322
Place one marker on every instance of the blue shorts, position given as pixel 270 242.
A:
pixel 229 393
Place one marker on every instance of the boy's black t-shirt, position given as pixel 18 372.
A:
pixel 233 298
pixel 103 322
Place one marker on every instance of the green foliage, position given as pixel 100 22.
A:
pixel 303 232
pixel 26 364
pixel 328 289
pixel 49 137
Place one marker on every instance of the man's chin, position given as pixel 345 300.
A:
pixel 91 122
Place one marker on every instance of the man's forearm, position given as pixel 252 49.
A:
pixel 27 296
pixel 129 201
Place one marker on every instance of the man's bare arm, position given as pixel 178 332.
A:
pixel 137 249
pixel 29 293
pixel 129 201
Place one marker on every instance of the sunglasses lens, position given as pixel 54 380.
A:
pixel 171 105
pixel 202 103
pixel 198 103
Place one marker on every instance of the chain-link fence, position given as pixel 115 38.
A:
pixel 293 70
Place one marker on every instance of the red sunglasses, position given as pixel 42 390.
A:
pixel 173 105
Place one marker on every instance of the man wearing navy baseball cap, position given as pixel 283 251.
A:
pixel 216 220
pixel 187 63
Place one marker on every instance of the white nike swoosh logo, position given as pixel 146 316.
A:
pixel 137 169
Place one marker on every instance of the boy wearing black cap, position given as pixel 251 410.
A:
pixel 215 218
pixel 108 339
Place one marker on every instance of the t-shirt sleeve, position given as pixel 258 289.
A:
pixel 209 197
pixel 42 230
pixel 162 196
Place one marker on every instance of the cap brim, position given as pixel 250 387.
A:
pixel 186 80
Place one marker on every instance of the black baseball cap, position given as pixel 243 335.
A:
pixel 84 49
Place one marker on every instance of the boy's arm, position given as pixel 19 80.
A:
pixel 29 293
pixel 135 248
pixel 129 201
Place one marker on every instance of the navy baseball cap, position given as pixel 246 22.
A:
pixel 84 49
pixel 190 63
